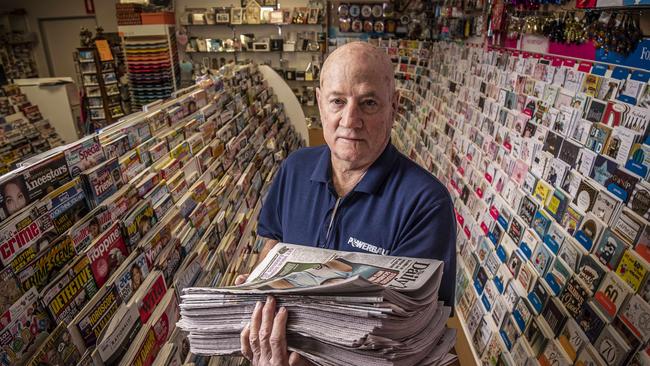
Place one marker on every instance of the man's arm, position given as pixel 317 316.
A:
pixel 268 245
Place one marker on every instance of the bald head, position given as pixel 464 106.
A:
pixel 359 61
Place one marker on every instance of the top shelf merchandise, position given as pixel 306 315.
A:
pixel 291 40
pixel 547 165
pixel 115 225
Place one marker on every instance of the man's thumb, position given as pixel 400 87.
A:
pixel 296 359
pixel 241 279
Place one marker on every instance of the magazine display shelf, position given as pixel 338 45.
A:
pixel 116 224
pixel 286 96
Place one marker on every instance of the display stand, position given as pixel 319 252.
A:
pixel 288 98
pixel 101 88
pixel 152 62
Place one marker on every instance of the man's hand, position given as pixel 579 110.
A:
pixel 264 340
pixel 241 279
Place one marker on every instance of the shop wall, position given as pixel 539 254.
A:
pixel 39 9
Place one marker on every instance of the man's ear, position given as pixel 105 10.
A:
pixel 394 104
pixel 318 95
pixel 395 101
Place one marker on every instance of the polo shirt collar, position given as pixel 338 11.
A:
pixel 374 177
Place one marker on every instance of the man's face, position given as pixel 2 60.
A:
pixel 357 110
pixel 14 198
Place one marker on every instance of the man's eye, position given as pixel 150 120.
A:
pixel 370 103
pixel 337 101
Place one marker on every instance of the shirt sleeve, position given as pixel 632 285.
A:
pixel 431 233
pixel 269 224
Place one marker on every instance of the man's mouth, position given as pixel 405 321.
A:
pixel 352 139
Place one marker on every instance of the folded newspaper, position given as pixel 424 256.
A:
pixel 344 308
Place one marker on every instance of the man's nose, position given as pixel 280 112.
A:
pixel 352 116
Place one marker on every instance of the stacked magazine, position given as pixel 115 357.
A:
pixel 344 308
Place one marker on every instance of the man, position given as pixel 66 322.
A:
pixel 358 193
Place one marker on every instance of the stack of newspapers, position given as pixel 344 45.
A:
pixel 344 308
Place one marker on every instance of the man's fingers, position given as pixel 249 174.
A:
pixel 241 279
pixel 245 343
pixel 268 314
pixel 295 359
pixel 278 339
pixel 254 330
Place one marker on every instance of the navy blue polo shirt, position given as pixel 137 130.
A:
pixel 398 208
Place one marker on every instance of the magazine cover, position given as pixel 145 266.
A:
pixel 89 324
pixel 24 327
pixel 22 236
pixel 131 275
pixel 118 336
pixel 121 201
pixel 66 295
pixel 138 222
pixel 66 205
pixel 44 177
pixel 157 120
pixel 44 268
pixel 130 165
pixel 84 154
pixel 116 147
pixel 56 350
pixel 10 290
pixel 157 151
pixel 103 180
pixel 106 253
pixel 143 151
pixel 89 228
pixel 150 295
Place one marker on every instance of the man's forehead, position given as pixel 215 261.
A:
pixel 360 79
pixel 359 89
pixel 358 62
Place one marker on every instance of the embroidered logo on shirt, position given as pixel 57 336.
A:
pixel 356 243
